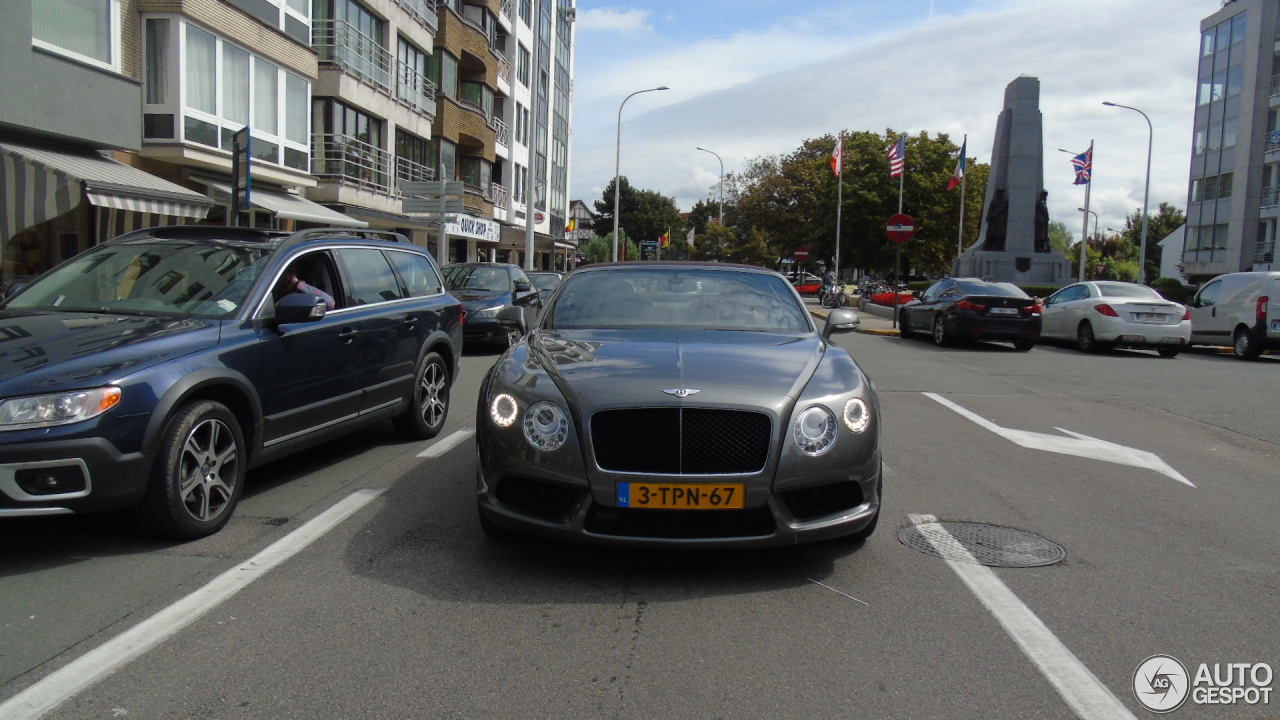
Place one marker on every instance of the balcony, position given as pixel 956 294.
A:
pixel 502 130
pixel 350 161
pixel 408 170
pixel 423 11
pixel 413 88
pixel 1270 198
pixel 498 194
pixel 339 43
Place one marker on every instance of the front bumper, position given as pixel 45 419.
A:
pixel 488 330
pixel 96 477
pixel 830 508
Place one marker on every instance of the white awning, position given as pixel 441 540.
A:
pixel 38 183
pixel 285 205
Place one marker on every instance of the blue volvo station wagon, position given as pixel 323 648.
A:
pixel 152 371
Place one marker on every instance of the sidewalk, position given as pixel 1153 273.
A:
pixel 873 319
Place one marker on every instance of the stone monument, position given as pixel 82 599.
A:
pixel 1013 240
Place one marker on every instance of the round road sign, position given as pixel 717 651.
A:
pixel 900 228
pixel 802 252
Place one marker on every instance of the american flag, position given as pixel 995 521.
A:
pixel 897 158
pixel 1084 166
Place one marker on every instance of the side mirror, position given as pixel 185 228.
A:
pixel 299 308
pixel 840 321
pixel 522 286
pixel 917 294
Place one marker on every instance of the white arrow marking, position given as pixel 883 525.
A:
pixel 1078 445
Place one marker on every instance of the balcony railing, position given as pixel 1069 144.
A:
pixel 509 9
pixel 340 43
pixel 1270 197
pixel 1275 85
pixel 349 160
pixel 411 171
pixel 498 194
pixel 503 131
pixel 414 88
pixel 424 11
pixel 504 67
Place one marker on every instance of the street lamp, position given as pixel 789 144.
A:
pixel 1095 220
pixel 617 167
pixel 1146 193
pixel 721 183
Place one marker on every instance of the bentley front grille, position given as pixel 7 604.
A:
pixel 681 441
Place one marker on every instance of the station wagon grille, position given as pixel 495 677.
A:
pixel 681 441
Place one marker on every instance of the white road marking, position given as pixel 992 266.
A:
pixel 1082 690
pixel 443 446
pixel 100 662
pixel 1078 445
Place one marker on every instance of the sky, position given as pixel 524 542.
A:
pixel 751 79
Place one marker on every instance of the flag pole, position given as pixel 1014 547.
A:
pixel 963 176
pixel 897 247
pixel 839 201
pixel 1084 236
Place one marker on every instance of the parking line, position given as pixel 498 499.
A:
pixel 100 662
pixel 1082 690
pixel 447 444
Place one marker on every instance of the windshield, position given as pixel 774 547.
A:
pixel 210 280
pixel 690 298
pixel 1128 290
pixel 477 277
pixel 544 281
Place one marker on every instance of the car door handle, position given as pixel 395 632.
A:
pixel 411 321
pixel 346 335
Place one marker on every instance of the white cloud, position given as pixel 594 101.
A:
pixel 613 20
pixel 763 93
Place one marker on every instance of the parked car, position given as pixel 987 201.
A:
pixel 621 420
pixel 545 281
pixel 956 309
pixel 1238 310
pixel 152 371
pixel 499 300
pixel 806 283
pixel 1103 314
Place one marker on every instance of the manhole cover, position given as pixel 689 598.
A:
pixel 989 545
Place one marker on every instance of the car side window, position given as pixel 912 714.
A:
pixel 418 274
pixel 1208 295
pixel 520 277
pixel 936 289
pixel 370 276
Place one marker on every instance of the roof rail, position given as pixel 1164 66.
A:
pixel 387 235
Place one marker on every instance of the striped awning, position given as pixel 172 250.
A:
pixel 39 183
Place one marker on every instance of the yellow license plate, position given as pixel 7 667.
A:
pixel 682 496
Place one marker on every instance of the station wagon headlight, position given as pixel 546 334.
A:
pixel 857 415
pixel 503 410
pixel 815 430
pixel 489 313
pixel 545 426
pixel 38 411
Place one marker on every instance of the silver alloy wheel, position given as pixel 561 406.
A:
pixel 1084 338
pixel 207 469
pixel 435 384
pixel 939 331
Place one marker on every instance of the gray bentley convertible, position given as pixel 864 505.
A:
pixel 679 403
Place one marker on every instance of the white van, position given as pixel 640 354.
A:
pixel 1238 310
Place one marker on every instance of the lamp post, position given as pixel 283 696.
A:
pixel 1095 220
pixel 617 166
pixel 721 183
pixel 1146 193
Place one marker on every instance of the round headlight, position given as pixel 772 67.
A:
pixel 815 430
pixel 503 410
pixel 857 415
pixel 545 426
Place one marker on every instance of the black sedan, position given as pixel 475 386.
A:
pixel 499 301
pixel 956 309
pixel 679 404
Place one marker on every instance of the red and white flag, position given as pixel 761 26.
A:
pixel 837 157
pixel 958 177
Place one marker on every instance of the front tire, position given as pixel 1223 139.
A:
pixel 429 402
pixel 1023 345
pixel 904 330
pixel 198 473
pixel 1245 347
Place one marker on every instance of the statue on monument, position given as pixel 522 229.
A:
pixel 1042 223
pixel 997 222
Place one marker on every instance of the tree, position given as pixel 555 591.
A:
pixel 643 214
pixel 603 224
pixel 600 249
pixel 1165 220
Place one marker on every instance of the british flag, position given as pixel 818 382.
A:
pixel 1084 166
pixel 897 157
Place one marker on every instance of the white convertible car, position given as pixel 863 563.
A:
pixel 1103 314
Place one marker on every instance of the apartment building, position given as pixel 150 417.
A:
pixel 71 75
pixel 1233 202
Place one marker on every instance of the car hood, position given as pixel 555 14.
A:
pixel 478 298
pixel 596 369
pixel 49 352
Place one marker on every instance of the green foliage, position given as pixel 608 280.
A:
pixel 600 249
pixel 1165 220
pixel 643 214
pixel 1173 289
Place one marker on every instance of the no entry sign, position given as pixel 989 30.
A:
pixel 900 228
pixel 802 252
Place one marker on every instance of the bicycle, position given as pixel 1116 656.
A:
pixel 833 298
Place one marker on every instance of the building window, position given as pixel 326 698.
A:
pixel 84 30
pixel 522 67
pixel 224 88
pixel 414 157
pixel 526 12
pixel 291 16
pixel 351 145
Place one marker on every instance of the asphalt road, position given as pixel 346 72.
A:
pixel 405 610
